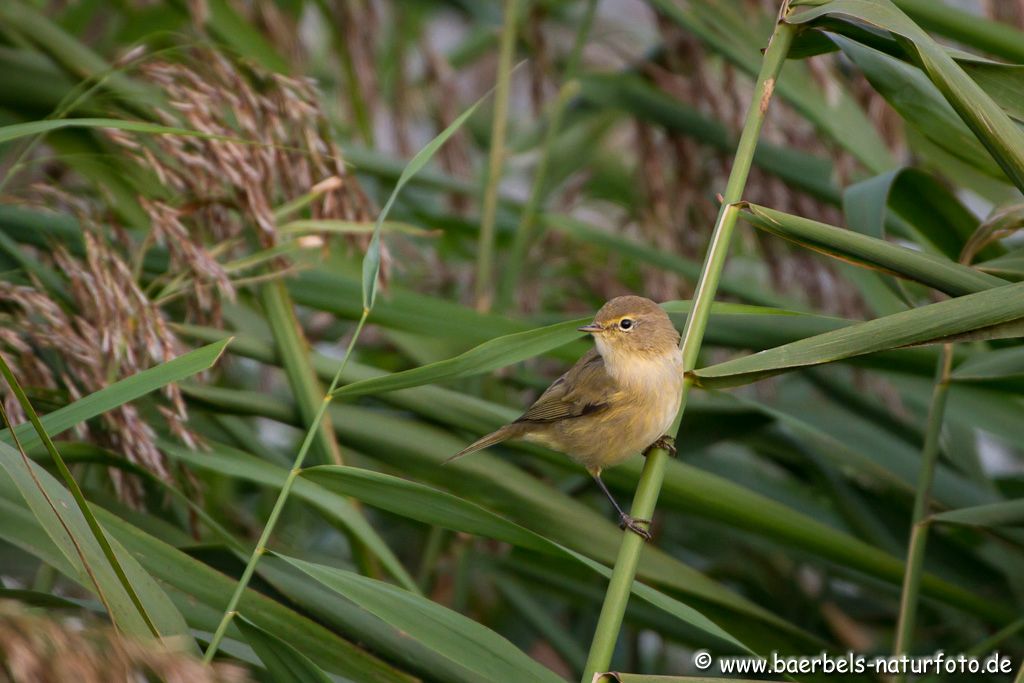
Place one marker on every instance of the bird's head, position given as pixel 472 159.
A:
pixel 632 327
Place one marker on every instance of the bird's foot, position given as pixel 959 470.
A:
pixel 635 525
pixel 665 441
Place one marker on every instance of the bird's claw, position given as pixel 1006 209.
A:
pixel 635 525
pixel 666 442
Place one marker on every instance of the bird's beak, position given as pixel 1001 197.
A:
pixel 592 327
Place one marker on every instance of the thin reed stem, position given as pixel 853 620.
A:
pixel 499 126
pixel 261 545
pixel 617 596
pixel 919 530
pixel 526 232
pixel 431 552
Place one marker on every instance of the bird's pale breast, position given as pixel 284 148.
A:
pixel 637 415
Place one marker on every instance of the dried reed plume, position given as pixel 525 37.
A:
pixel 97 327
pixel 36 649
pixel 215 201
pixel 271 147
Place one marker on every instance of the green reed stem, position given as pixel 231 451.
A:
pixel 614 607
pixel 919 529
pixel 261 545
pixel 337 21
pixel 572 64
pixel 294 349
pixel 526 232
pixel 499 126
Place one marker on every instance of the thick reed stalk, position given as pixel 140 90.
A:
pixel 653 474
pixel 261 545
pixel 294 350
pixel 485 256
pixel 919 529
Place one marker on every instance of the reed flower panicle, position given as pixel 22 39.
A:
pixel 217 200
pixel 268 145
pixel 34 647
pixel 99 327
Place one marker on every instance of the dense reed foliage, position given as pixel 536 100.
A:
pixel 264 266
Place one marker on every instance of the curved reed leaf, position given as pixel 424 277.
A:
pixel 870 252
pixel 65 525
pixel 432 506
pixel 21 130
pixel 473 646
pixel 238 465
pixel 202 592
pixel 929 208
pixel 970 29
pixel 998 365
pixel 283 662
pixel 518 497
pixel 371 261
pixel 506 350
pixel 121 392
pixel 1009 513
pixel 924 325
pixel 989 123
pixel 137 603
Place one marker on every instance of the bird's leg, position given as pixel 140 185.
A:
pixel 664 441
pixel 625 521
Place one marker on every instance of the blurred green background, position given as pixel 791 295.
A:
pixel 174 173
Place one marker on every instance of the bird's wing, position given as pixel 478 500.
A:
pixel 585 389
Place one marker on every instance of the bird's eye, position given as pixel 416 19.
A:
pixel 625 324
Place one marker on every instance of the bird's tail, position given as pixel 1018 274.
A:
pixel 507 432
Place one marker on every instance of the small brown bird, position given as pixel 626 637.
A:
pixel 617 400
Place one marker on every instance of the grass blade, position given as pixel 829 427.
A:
pixel 200 591
pixel 432 506
pixel 22 130
pixel 120 392
pixel 931 210
pixel 970 29
pixel 115 395
pixel 512 348
pixel 371 261
pixel 989 123
pixel 482 651
pixel 909 596
pixel 489 481
pixel 370 275
pixel 871 252
pixel 134 601
pixel 238 465
pixel 923 325
pixel 1009 513
pixel 283 662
